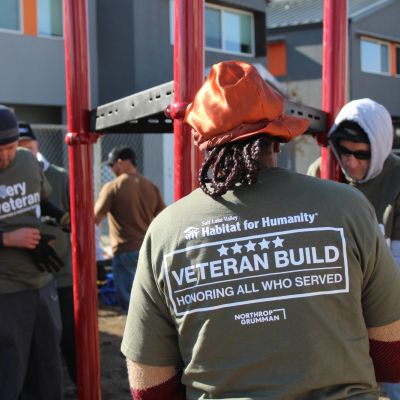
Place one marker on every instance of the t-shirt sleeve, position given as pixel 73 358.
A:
pixel 45 187
pixel 150 335
pixel 160 203
pixel 381 286
pixel 105 200
pixel 396 220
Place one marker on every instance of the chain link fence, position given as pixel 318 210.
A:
pixel 148 149
pixel 149 158
pixel 154 158
pixel 52 144
pixel 149 154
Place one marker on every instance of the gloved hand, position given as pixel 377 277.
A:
pixel 45 256
pixel 50 221
pixel 65 223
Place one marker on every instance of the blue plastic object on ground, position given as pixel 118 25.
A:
pixel 107 292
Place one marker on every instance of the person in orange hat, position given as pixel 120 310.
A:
pixel 263 283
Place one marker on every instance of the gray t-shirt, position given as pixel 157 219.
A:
pixel 266 292
pixel 22 187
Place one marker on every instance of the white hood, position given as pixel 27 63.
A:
pixel 45 164
pixel 377 123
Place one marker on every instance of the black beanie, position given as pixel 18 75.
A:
pixel 25 131
pixel 8 126
pixel 351 131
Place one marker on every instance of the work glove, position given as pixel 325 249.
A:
pixel 50 221
pixel 44 255
pixel 65 223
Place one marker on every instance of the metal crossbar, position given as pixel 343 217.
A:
pixel 143 112
pixel 317 117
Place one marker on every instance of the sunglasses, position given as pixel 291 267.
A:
pixel 360 154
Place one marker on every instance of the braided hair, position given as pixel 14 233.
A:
pixel 232 163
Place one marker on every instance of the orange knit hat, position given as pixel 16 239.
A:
pixel 235 103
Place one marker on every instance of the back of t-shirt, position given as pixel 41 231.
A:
pixel 131 201
pixel 266 292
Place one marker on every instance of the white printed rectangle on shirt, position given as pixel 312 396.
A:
pixel 259 268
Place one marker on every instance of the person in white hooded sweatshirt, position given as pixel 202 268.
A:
pixel 362 138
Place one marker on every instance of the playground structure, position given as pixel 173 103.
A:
pixel 143 113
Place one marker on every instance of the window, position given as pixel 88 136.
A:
pixel 50 17
pixel 226 30
pixel 213 28
pixel 10 15
pixel 375 57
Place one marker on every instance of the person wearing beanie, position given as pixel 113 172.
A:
pixel 59 196
pixel 263 283
pixel 362 140
pixel 30 329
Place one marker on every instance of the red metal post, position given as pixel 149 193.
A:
pixel 82 213
pixel 333 77
pixel 189 76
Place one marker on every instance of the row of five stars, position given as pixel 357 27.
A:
pixel 223 251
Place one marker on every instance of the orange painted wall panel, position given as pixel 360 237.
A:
pixel 392 59
pixel 277 58
pixel 30 17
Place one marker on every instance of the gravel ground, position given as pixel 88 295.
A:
pixel 114 379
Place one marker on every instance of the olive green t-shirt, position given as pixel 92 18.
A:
pixel 59 196
pixel 22 187
pixel 266 292
pixel 382 191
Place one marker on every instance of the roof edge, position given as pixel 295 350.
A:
pixel 361 33
pixel 367 11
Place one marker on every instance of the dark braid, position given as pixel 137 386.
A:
pixel 252 159
pixel 204 170
pixel 217 167
pixel 232 163
pixel 229 178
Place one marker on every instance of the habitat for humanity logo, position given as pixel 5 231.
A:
pixel 191 233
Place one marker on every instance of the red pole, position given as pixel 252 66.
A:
pixel 82 213
pixel 189 76
pixel 333 77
